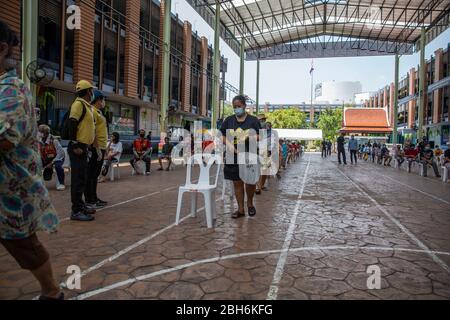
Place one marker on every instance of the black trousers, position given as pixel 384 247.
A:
pixel 342 152
pixel 324 152
pixel 79 170
pixel 94 168
pixel 353 156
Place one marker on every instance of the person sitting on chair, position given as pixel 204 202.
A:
pixel 142 150
pixel 113 153
pixel 52 155
pixel 428 159
pixel 165 154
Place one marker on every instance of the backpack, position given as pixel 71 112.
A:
pixel 65 128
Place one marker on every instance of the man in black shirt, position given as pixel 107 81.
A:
pixel 446 161
pixel 166 153
pixel 324 148
pixel 239 126
pixel 341 148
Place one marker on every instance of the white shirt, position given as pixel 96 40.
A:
pixel 116 148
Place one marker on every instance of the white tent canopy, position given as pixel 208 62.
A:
pixel 300 134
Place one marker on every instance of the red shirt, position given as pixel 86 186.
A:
pixel 411 153
pixel 141 145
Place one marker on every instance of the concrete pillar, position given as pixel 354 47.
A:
pixel 132 48
pixel 411 103
pixel 216 69
pixel 242 69
pixel 391 103
pixel 164 57
pixel 203 76
pixel 186 71
pixel 422 85
pixel 437 94
pixel 83 59
pixel 394 107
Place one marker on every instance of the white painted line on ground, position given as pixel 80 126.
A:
pixel 278 274
pixel 415 189
pixel 132 280
pixel 133 246
pixel 398 224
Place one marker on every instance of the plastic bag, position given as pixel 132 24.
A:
pixel 140 167
pixel 249 173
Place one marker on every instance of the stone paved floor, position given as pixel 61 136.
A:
pixel 335 221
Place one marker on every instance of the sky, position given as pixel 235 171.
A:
pixel 289 81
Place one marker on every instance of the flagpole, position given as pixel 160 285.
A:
pixel 311 120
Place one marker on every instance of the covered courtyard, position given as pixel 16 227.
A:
pixel 321 225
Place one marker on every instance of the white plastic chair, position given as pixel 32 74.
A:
pixel 111 169
pixel 444 174
pixel 203 186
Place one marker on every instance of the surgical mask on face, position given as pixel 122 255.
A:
pixel 10 63
pixel 239 112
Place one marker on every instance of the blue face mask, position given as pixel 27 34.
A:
pixel 239 112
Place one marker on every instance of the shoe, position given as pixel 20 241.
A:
pixel 258 191
pixel 94 205
pixel 251 211
pixel 168 169
pixel 101 202
pixel 237 214
pixel 81 216
pixel 133 172
pixel 438 176
pixel 147 173
pixel 60 187
pixel 89 210
pixel 101 179
pixel 160 169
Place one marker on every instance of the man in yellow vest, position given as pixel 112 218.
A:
pixel 82 135
pixel 98 150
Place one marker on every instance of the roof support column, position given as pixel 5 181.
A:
pixel 394 108
pixel 29 27
pixel 241 74
pixel 165 67
pixel 257 84
pixel 421 85
pixel 216 69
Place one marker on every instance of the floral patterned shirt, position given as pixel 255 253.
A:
pixel 25 205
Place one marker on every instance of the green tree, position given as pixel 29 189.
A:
pixel 287 119
pixel 330 121
pixel 227 111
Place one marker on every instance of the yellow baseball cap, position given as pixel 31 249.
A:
pixel 83 85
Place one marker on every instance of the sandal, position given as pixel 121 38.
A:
pixel 258 191
pixel 237 214
pixel 251 211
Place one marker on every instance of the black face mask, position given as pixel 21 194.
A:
pixel 142 135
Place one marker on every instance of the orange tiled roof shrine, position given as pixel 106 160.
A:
pixel 366 120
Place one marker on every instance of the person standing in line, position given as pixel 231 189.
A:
pixel 353 149
pixel 25 206
pixel 52 155
pixel 266 158
pixel 329 145
pixel 82 136
pixel 239 126
pixel 341 148
pixel 98 150
pixel 324 148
